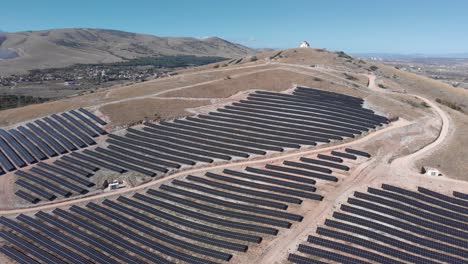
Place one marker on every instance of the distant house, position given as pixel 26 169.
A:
pixel 304 44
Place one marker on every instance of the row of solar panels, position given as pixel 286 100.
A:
pixel 198 219
pixel 67 176
pixel 47 137
pixel 399 224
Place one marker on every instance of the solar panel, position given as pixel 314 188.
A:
pixel 92 116
pixel 18 147
pixel 131 160
pixel 48 196
pixel 302 172
pixel 74 130
pixel 78 142
pixel 60 181
pixel 40 143
pixel 73 168
pixel 325 163
pixel 358 152
pixel 179 220
pixel 6 163
pixel 307 166
pixel 54 188
pixel 65 142
pixel 206 218
pixel 88 122
pixel 81 126
pixel 97 162
pixel 28 144
pixel 281 175
pixel 65 173
pixel 17 255
pixel 94 254
pixel 343 155
pixel 28 197
pixel 329 158
pixel 47 138
pixel 14 157
pixel 80 163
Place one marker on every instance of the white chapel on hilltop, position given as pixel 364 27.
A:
pixel 304 44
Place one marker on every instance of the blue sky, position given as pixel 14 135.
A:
pixel 391 26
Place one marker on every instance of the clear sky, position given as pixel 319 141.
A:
pixel 391 26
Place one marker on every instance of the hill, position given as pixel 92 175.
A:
pixel 64 47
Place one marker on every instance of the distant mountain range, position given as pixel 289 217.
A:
pixel 64 47
pixel 397 56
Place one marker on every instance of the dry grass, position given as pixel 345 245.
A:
pixel 148 109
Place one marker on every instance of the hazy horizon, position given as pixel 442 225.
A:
pixel 402 27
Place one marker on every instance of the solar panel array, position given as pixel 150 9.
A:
pixel 47 137
pixel 234 132
pixel 196 219
pixel 392 225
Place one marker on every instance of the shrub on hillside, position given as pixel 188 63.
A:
pixel 449 104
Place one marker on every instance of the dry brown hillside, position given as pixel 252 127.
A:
pixel 216 84
pixel 64 47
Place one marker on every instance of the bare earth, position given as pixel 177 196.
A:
pixel 421 135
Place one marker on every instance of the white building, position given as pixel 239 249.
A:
pixel 428 171
pixel 304 44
